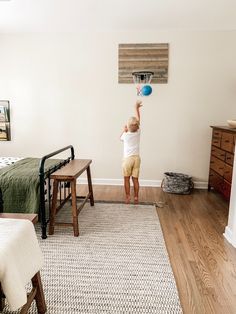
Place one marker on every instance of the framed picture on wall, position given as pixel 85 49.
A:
pixel 5 134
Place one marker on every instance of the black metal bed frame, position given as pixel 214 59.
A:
pixel 45 181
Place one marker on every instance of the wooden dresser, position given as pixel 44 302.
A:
pixel 222 158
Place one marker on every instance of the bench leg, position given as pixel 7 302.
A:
pixel 90 186
pixel 74 209
pixel 54 207
pixel 39 297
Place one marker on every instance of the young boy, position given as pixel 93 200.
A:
pixel 131 161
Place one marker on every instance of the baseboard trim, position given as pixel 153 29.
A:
pixel 148 183
pixel 229 236
pixel 201 185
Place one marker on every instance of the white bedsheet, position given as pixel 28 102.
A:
pixel 20 259
pixel 6 161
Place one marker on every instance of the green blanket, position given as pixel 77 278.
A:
pixel 19 185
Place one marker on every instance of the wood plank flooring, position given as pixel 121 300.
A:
pixel 203 262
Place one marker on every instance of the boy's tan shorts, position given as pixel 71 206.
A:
pixel 131 166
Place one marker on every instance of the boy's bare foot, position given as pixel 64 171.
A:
pixel 136 200
pixel 127 199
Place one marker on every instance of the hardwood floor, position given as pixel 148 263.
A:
pixel 203 262
pixel 115 193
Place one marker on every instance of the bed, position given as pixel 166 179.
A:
pixel 7 161
pixel 26 187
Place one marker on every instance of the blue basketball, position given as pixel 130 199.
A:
pixel 146 90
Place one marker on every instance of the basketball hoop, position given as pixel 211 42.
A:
pixel 142 79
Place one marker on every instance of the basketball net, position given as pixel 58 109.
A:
pixel 140 79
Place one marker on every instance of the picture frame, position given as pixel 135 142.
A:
pixel 5 134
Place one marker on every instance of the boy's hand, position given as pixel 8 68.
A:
pixel 138 104
pixel 125 128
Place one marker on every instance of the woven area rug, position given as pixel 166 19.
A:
pixel 118 264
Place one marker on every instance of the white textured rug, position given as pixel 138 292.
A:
pixel 118 264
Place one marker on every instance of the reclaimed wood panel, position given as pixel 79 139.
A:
pixel 141 57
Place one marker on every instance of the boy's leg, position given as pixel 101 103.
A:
pixel 136 189
pixel 135 175
pixel 127 169
pixel 127 189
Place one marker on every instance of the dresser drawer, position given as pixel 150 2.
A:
pixel 216 138
pixel 217 165
pixel 216 181
pixel 226 189
pixel 217 152
pixel 228 171
pixel 229 159
pixel 217 133
pixel 227 142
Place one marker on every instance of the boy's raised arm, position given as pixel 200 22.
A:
pixel 125 129
pixel 137 106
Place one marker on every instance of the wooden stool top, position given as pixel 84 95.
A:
pixel 72 170
pixel 32 217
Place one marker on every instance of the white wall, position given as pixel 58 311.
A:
pixel 63 90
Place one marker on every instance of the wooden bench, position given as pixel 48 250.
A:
pixel 69 173
pixel 36 293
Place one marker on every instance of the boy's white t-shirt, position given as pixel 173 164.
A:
pixel 131 143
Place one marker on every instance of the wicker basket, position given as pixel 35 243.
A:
pixel 177 183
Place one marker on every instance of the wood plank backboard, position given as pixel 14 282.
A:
pixel 143 57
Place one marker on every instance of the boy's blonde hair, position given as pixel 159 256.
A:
pixel 133 124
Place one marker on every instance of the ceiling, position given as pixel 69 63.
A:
pixel 116 15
